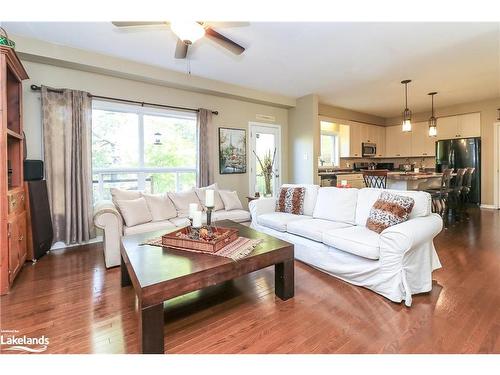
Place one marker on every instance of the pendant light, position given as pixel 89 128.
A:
pixel 432 119
pixel 406 112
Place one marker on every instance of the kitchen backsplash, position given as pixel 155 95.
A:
pixel 428 162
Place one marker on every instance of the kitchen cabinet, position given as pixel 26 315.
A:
pixel 365 133
pixel 398 143
pixel 355 136
pixel 460 126
pixel 421 143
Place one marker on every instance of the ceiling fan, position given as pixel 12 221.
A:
pixel 188 33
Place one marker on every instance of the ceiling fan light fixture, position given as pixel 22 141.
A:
pixel 188 32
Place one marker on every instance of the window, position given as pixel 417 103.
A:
pixel 139 148
pixel 330 149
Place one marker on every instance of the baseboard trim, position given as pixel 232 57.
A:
pixel 489 206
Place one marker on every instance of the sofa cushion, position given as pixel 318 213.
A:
pixel 357 240
pixel 134 211
pixel 313 228
pixel 148 227
pixel 234 215
pixel 368 196
pixel 309 197
pixel 181 201
pixel 218 204
pixel 231 200
pixel 291 200
pixel 279 220
pixel 160 206
pixel 124 195
pixel 336 204
pixel 388 210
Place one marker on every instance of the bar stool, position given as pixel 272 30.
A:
pixel 467 185
pixel 440 196
pixel 375 179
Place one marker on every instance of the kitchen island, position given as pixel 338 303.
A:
pixel 413 181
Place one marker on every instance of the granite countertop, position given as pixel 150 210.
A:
pixel 411 176
pixel 338 173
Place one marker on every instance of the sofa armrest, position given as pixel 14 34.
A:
pixel 411 234
pixel 108 218
pixel 261 206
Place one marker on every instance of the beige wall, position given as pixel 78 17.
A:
pixel 347 114
pixel 303 136
pixel 232 112
pixel 488 110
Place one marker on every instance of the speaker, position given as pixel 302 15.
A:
pixel 41 220
pixel 33 170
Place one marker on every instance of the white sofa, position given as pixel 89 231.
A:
pixel 331 236
pixel 107 217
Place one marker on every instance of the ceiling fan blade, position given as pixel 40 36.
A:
pixel 181 49
pixel 223 41
pixel 139 23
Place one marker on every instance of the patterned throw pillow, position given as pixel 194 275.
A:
pixel 390 209
pixel 291 200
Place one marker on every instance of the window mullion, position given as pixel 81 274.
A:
pixel 141 176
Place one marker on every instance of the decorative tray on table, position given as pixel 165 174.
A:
pixel 205 239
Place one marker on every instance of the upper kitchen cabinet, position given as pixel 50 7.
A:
pixel 364 133
pixel 398 143
pixel 355 139
pixel 421 143
pixel 460 126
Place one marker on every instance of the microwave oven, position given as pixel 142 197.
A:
pixel 368 149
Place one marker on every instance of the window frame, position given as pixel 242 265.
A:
pixel 142 170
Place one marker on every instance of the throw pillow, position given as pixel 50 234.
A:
pixel 134 211
pixel 181 201
pixel 200 192
pixel 390 209
pixel 124 195
pixel 160 206
pixel 231 200
pixel 291 200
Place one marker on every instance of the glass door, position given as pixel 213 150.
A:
pixel 265 163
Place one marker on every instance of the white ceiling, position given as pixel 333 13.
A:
pixel 353 65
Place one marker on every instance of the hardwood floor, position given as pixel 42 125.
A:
pixel 69 297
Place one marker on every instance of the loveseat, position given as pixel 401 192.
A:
pixel 332 237
pixel 134 212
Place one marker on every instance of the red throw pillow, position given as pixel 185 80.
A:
pixel 291 200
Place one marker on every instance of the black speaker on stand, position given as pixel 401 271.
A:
pixel 39 209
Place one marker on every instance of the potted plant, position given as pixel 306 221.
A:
pixel 267 165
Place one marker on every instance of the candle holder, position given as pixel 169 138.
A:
pixel 209 216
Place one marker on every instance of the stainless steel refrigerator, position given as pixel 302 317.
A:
pixel 461 153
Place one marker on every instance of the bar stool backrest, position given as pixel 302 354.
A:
pixel 445 180
pixel 467 182
pixel 459 179
pixel 375 179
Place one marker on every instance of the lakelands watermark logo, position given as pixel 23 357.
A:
pixel 10 340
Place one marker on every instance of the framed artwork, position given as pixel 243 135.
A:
pixel 232 151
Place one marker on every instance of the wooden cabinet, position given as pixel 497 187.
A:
pixel 355 136
pixel 421 143
pixel 398 143
pixel 365 133
pixel 12 195
pixel 460 126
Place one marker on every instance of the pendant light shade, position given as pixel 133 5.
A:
pixel 406 112
pixel 432 119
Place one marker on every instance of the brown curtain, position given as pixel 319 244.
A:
pixel 67 127
pixel 205 148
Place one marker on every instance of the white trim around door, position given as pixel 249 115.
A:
pixel 496 166
pixel 253 128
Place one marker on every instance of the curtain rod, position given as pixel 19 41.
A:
pixel 142 104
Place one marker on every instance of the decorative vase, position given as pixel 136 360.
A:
pixel 268 191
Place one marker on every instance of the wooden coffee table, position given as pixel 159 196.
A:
pixel 158 274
